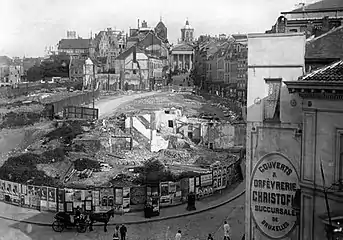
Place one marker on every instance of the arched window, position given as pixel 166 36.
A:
pixel 187 34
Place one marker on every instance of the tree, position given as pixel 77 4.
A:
pixel 56 66
pixel 34 73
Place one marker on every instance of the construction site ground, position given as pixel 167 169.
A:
pixel 51 142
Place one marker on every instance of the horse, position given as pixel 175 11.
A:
pixel 100 217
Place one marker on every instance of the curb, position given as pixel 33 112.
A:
pixel 141 221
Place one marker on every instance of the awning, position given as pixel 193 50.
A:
pixel 336 219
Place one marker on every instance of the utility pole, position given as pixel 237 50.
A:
pixel 326 200
pixel 93 83
pixel 108 81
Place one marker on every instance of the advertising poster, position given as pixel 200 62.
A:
pixel 165 196
pixel 104 200
pixel 86 195
pixel 96 198
pixel 118 196
pixel 68 200
pixel 191 185
pixel 206 180
pixel 77 198
pixel 197 181
pixel 172 187
pixel 8 194
pixel 60 199
pixel 44 198
pixel 126 199
pixel 24 197
pixel 110 194
pixel 68 195
pixel 218 178
pixel 52 203
pixel 2 191
pixel 15 194
pixel 35 200
pixel 30 194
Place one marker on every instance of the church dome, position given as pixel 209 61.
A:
pixel 187 26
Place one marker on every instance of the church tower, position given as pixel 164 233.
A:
pixel 161 30
pixel 187 33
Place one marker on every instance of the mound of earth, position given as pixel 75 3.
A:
pixel 22 168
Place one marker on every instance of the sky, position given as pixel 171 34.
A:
pixel 28 26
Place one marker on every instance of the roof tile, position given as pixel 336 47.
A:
pixel 74 43
pixel 330 73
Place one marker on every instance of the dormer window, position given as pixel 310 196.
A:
pixel 271 104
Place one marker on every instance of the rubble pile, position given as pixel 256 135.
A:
pixel 23 169
pixel 19 119
pixel 85 163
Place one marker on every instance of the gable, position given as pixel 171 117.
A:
pixel 183 47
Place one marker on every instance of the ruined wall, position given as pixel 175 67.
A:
pixel 163 118
pixel 223 135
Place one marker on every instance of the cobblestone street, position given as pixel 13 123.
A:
pixel 192 227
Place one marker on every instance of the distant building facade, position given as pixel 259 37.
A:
pixel 313 19
pixel 78 48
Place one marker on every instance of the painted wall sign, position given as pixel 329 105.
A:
pixel 273 185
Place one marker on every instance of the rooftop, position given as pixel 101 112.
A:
pixel 327 45
pixel 323 5
pixel 74 43
pixel 330 73
pixel 126 53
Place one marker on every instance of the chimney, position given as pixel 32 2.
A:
pixel 134 58
pixel 138 24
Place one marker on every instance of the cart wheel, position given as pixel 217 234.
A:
pixel 82 227
pixel 58 226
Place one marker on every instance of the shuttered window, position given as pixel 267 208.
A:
pixel 271 107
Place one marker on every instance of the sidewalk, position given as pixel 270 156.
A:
pixel 18 214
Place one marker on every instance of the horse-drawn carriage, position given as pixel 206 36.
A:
pixel 65 220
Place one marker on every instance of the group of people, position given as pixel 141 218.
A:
pixel 120 232
pixel 227 233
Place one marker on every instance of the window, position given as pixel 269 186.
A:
pixel 170 123
pixel 211 145
pixel 271 104
pixel 293 30
pixel 190 135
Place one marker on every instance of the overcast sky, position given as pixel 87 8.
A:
pixel 27 26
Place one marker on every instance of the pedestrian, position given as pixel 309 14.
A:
pixel 209 237
pixel 227 231
pixel 116 233
pixel 178 235
pixel 123 231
